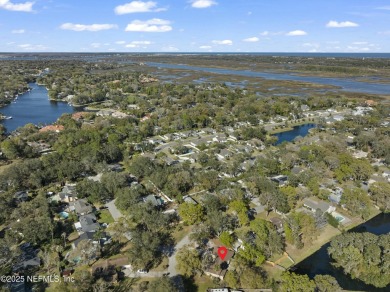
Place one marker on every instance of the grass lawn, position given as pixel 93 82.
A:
pixel 180 234
pixel 73 236
pixel 204 283
pixel 161 266
pixel 105 217
pixel 325 236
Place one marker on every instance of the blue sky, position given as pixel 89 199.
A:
pixel 195 26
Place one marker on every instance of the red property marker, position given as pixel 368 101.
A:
pixel 222 252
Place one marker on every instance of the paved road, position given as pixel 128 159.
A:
pixel 172 259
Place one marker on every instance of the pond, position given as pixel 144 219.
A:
pixel 290 135
pixel 319 263
pixel 33 107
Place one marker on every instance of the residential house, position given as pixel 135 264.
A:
pixel 82 207
pixel 224 154
pixel 87 223
pixel 68 193
pixel 155 201
pixel 189 200
pixel 21 196
pixel 220 138
pixel 89 236
pixel 278 223
pixel 305 108
pixel 335 196
pixel 281 180
pixel 219 267
pixel 313 204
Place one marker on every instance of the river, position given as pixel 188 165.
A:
pixel 319 263
pixel 33 107
pixel 344 83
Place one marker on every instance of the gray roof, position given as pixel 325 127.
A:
pixel 88 223
pixel 82 206
pixel 314 205
pixel 84 236
pixel 152 199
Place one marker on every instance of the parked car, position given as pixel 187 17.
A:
pixel 142 271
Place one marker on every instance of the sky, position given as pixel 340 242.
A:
pixel 361 26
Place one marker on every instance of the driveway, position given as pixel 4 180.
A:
pixel 172 259
pixel 115 213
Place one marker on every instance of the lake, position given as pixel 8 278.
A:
pixel 289 136
pixel 344 83
pixel 33 107
pixel 319 263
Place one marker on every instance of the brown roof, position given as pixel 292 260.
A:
pixel 370 102
pixel 52 128
pixel 79 115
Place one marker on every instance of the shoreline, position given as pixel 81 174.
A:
pixel 339 231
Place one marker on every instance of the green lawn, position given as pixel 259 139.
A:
pixel 105 217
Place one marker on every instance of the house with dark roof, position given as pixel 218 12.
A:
pixel 281 180
pixel 87 223
pixel 21 196
pixel 89 236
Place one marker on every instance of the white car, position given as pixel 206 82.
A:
pixel 142 271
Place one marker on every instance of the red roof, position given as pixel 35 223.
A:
pixel 52 128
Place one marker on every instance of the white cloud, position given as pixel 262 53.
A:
pixel 30 47
pixel 384 32
pixel 264 33
pixel 203 3
pixel 95 45
pixel 223 42
pixel 336 24
pixel 87 27
pixel 359 43
pixel 136 44
pixel 296 33
pixel 152 25
pixel 8 5
pixel 137 6
pixel 251 40
pixel 18 31
pixel 205 47
pixel 120 42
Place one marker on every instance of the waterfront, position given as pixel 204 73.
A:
pixel 319 263
pixel 33 107
pixel 344 84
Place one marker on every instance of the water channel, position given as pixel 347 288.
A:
pixel 33 107
pixel 344 83
pixel 319 263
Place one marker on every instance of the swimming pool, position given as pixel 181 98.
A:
pixel 64 215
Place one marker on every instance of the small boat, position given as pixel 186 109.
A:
pixel 8 118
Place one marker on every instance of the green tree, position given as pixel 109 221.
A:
pixel 191 213
pixel 162 284
pixel 380 194
pixel 188 261
pixel 226 239
pixel 326 283
pixel 291 282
